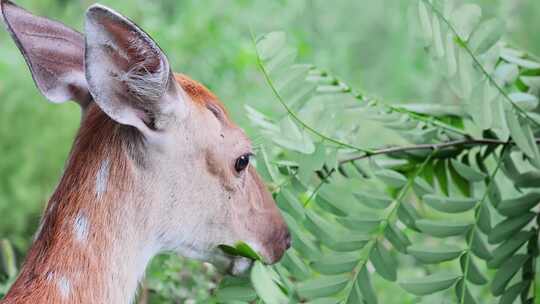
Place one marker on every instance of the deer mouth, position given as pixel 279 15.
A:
pixel 238 259
pixel 232 265
pixel 240 266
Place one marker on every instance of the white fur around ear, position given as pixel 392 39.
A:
pixel 127 73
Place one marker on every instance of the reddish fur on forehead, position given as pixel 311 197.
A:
pixel 201 95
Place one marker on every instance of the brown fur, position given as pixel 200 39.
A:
pixel 55 252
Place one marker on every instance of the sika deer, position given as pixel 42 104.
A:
pixel 157 165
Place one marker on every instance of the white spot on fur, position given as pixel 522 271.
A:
pixel 64 287
pixel 50 276
pixel 38 232
pixel 102 178
pixel 80 228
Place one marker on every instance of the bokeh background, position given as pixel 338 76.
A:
pixel 374 46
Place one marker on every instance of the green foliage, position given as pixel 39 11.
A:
pixel 436 202
pixel 446 214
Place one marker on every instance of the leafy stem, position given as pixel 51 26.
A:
pixel 476 218
pixel 391 214
pixel 412 115
pixel 465 46
pixel 291 112
pixel 467 143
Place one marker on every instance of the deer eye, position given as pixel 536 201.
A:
pixel 242 162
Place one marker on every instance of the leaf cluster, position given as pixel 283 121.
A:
pixel 451 215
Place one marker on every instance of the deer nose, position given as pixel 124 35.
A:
pixel 287 240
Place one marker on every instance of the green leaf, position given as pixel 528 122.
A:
pixel 486 35
pixel 438 43
pixel 533 82
pixel 348 242
pixel 336 263
pixel 442 177
pixel 451 60
pixel 324 301
pixel 425 22
pixel 506 73
pixel 288 202
pixel 465 72
pixel 524 63
pixel 529 179
pixel 320 226
pixel 441 228
pixel 449 204
pixel 303 242
pixel 465 19
pixel 266 287
pixel 510 294
pixel 467 172
pixel 295 265
pixel 244 250
pixel 434 255
pixel 408 215
pixel 474 275
pixel 483 118
pixel 484 219
pixel 363 223
pixel 508 248
pixel 519 205
pixel 364 284
pixel 461 183
pixel 270 44
pixel 509 227
pixel 241 249
pixel 478 246
pixel 466 294
pixel 525 101
pixel 506 272
pixel 518 133
pixel 397 238
pixel 375 201
pixel 385 264
pixel 355 295
pixel 323 286
pixel 391 178
pixel 235 289
pixel 429 284
pixel 494 194
pixel 421 187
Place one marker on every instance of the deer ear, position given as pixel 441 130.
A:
pixel 127 73
pixel 54 53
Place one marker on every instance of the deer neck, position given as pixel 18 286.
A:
pixel 94 242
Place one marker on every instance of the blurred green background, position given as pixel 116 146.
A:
pixel 374 46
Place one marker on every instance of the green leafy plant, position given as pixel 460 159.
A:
pixel 452 214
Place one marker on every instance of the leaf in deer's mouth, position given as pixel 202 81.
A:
pixel 241 249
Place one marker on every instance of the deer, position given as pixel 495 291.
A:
pixel 157 166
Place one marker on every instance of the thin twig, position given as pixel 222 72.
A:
pixel 438 146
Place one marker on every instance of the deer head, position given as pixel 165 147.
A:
pixel 157 164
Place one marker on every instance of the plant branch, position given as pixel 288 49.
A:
pixel 389 216
pixel 463 142
pixel 415 116
pixel 475 224
pixel 468 50
pixel 291 112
